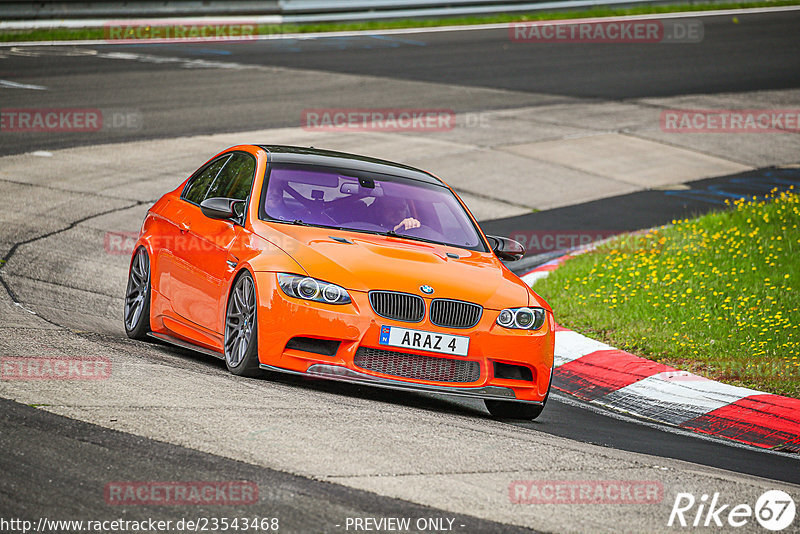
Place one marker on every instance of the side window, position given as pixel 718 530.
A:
pixel 236 178
pixel 195 192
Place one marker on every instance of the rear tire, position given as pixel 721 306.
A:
pixel 241 328
pixel 137 297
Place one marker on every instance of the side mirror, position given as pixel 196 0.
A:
pixel 505 248
pixel 221 208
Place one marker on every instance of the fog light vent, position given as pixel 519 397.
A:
pixel 507 371
pixel 326 347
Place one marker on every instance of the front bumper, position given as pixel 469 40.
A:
pixel 355 325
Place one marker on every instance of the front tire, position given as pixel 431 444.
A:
pixel 513 410
pixel 518 410
pixel 137 296
pixel 241 328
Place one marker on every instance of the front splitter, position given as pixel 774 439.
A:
pixel 343 374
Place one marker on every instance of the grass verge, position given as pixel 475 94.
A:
pixel 718 295
pixel 100 33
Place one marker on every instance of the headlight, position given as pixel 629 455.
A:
pixel 307 288
pixel 522 318
pixel 506 318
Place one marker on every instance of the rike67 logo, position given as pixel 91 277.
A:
pixel 774 510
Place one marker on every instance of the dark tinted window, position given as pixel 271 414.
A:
pixel 236 178
pixel 368 202
pixel 196 190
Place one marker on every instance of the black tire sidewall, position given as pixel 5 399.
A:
pixel 513 410
pixel 519 410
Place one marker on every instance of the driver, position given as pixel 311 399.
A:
pixel 275 205
pixel 396 209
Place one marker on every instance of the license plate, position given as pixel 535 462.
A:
pixel 394 336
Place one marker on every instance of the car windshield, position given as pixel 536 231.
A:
pixel 368 202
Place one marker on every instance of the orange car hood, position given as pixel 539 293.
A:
pixel 381 262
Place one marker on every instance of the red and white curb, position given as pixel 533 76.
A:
pixel 603 375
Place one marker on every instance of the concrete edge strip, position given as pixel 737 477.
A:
pixel 602 375
pixel 278 19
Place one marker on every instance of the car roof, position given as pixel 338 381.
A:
pixel 343 160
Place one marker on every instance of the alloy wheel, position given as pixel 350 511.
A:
pixel 239 322
pixel 138 286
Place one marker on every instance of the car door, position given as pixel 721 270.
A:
pixel 174 269
pixel 205 257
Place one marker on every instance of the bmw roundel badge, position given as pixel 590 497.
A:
pixel 426 289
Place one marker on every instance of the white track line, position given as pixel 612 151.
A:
pixel 411 31
pixel 8 84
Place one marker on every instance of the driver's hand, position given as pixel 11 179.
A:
pixel 407 224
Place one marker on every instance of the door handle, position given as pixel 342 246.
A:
pixel 184 227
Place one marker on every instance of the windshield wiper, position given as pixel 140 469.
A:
pixel 300 222
pixel 392 233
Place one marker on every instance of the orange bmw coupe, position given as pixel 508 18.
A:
pixel 344 267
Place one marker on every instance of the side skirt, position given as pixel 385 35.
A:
pixel 186 345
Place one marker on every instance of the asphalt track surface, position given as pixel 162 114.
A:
pixel 759 52
pixel 193 101
pixel 89 456
pixel 643 209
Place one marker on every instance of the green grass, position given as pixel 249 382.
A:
pixel 99 33
pixel 718 295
